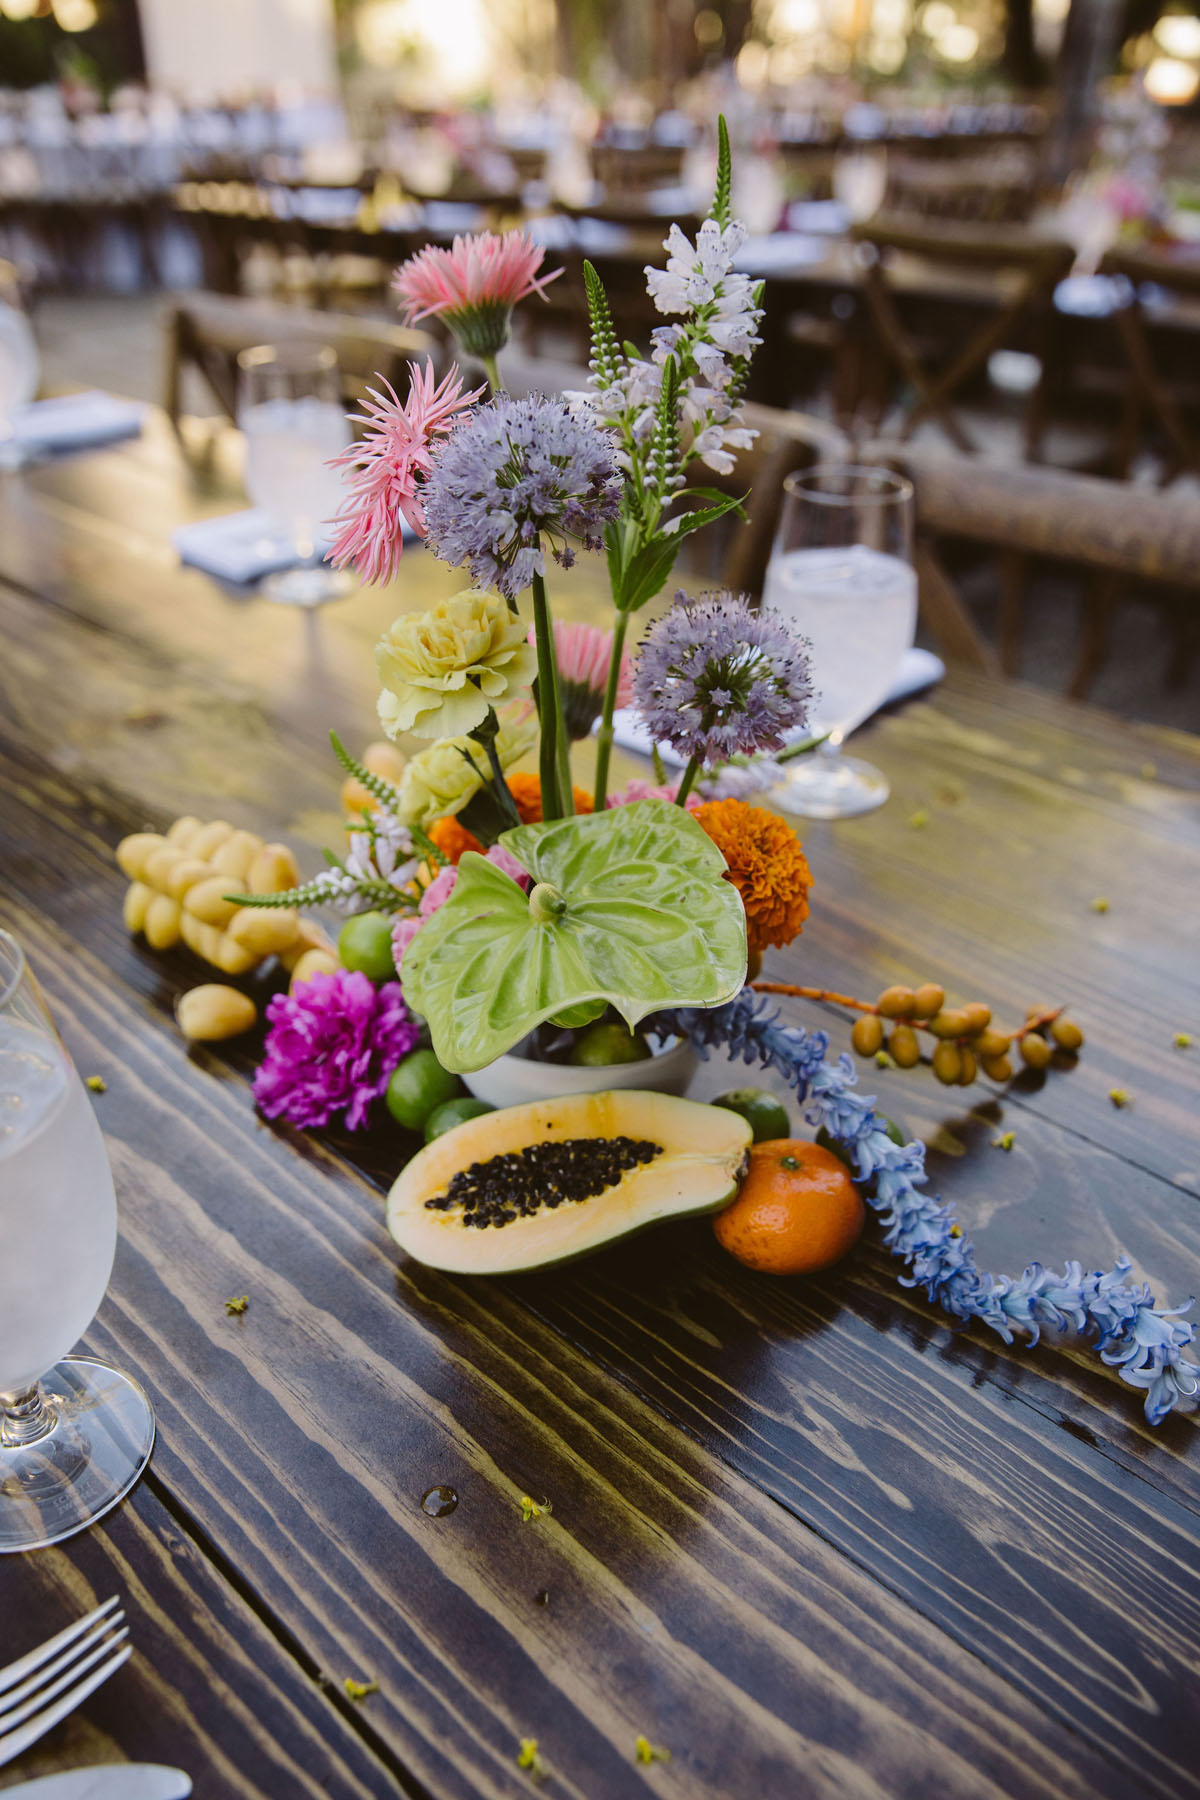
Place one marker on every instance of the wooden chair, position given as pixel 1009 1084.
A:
pixel 206 332
pixel 1150 392
pixel 1010 276
pixel 628 170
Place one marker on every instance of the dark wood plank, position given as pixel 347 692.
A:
pixel 682 1601
pixel 208 1689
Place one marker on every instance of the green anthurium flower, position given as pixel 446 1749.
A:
pixel 628 907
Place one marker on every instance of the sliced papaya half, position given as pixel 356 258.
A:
pixel 552 1180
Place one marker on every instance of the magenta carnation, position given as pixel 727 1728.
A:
pixel 331 1047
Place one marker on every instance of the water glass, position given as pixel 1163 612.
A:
pixel 19 364
pixel 841 574
pixel 74 1440
pixel 291 414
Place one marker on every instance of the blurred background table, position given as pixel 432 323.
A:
pixel 804 1534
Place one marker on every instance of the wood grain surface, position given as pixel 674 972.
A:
pixel 804 1534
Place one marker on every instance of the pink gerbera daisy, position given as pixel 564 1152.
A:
pixel 584 654
pixel 473 286
pixel 389 467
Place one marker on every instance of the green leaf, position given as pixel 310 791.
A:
pixel 704 515
pixel 722 196
pixel 630 907
pixel 647 572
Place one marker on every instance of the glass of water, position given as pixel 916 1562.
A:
pixel 19 364
pixel 841 574
pixel 74 1440
pixel 291 414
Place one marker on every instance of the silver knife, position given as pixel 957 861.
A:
pixel 109 1781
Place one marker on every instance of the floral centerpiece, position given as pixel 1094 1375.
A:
pixel 500 910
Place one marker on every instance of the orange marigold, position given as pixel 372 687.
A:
pixel 453 839
pixel 765 864
pixel 526 790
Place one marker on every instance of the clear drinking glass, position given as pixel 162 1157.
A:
pixel 72 1441
pixel 19 364
pixel 841 574
pixel 291 413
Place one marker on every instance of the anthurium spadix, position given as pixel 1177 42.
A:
pixel 627 908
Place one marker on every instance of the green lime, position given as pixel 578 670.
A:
pixel 418 1085
pixel 608 1041
pixel 454 1112
pixel 828 1143
pixel 365 944
pixel 766 1116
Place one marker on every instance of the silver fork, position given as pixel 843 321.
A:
pixel 38 1690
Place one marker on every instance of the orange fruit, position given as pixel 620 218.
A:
pixel 526 790
pixel 797 1211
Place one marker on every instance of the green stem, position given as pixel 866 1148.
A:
pixel 553 764
pixel 689 776
pixel 492 371
pixel 604 738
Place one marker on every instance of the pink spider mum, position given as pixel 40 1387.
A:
pixel 473 286
pixel 388 469
pixel 584 653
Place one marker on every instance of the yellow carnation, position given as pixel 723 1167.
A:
pixel 442 669
pixel 439 782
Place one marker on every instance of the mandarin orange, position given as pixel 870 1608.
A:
pixel 797 1211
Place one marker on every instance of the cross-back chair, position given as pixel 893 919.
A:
pixel 1149 392
pixel 206 332
pixel 1010 275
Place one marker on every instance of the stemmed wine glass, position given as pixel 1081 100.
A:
pixel 72 1441
pixel 291 413
pixel 841 574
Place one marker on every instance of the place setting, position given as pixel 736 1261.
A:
pixel 598 1197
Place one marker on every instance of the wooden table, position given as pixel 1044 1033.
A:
pixel 804 1534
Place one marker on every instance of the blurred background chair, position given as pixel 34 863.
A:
pixel 206 332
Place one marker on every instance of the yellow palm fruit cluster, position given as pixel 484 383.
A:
pixel 967 1040
pixel 179 887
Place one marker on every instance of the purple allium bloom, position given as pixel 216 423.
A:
pixel 332 1045
pixel 517 472
pixel 714 679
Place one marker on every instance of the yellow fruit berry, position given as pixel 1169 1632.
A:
pixel 162 922
pixel 970 1067
pixel 309 936
pixel 208 840
pixel 993 1043
pixel 156 869
pixel 896 1002
pixel 206 900
pixel 978 1017
pixel 235 855
pixel 354 798
pixel 997 1068
pixel 947 1063
pixel 183 831
pixel 184 873
pixel 133 851
pixel 212 1011
pixel 1035 1051
pixel 272 871
pixel 233 958
pixel 265 930
pixel 383 758
pixel 137 898
pixel 1067 1034
pixel 904 1047
pixel 203 940
pixel 949 1024
pixel 313 962
pixel 928 999
pixel 867 1035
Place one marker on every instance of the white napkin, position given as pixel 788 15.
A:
pixel 73 422
pixel 918 669
pixel 241 546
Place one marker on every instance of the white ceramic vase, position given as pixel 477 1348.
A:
pixel 512 1080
